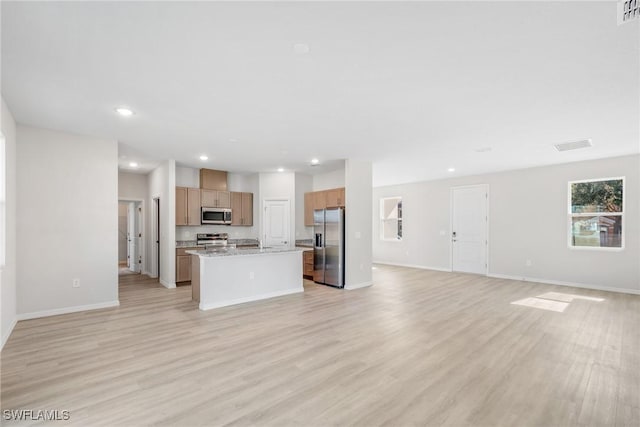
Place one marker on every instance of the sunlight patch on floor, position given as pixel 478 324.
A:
pixel 553 301
pixel 544 304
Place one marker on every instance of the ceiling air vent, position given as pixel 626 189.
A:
pixel 628 10
pixel 566 146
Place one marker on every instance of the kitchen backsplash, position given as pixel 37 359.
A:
pixel 189 232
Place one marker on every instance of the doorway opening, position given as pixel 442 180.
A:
pixel 469 229
pixel 130 247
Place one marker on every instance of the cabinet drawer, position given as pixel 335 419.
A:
pixel 183 251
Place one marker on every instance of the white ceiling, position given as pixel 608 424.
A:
pixel 414 87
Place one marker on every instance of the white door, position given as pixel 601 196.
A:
pixel 469 220
pixel 138 237
pixel 276 224
pixel 131 237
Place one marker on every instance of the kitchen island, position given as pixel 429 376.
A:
pixel 231 276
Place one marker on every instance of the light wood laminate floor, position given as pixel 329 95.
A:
pixel 418 348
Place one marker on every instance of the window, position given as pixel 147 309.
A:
pixel 596 213
pixel 391 218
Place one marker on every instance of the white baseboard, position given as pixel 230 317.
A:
pixel 422 267
pixel 358 286
pixel 563 283
pixel 66 310
pixel 8 334
pixel 209 306
pixel 167 284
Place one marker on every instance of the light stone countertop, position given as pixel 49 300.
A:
pixel 242 251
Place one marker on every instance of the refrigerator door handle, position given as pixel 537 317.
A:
pixel 318 240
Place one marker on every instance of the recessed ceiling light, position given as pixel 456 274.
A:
pixel 204 157
pixel 280 169
pixel 483 149
pixel 233 140
pixel 567 146
pixel 451 170
pixel 301 48
pixel 315 161
pixel 124 111
pixel 133 164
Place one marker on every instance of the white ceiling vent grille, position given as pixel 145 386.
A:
pixel 566 146
pixel 628 10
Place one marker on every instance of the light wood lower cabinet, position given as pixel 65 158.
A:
pixel 307 263
pixel 195 278
pixel 183 264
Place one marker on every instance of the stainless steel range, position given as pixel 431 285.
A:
pixel 212 239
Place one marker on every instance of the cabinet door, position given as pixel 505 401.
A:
pixel 193 206
pixel 213 180
pixel 183 268
pixel 181 206
pixel 224 199
pixel 208 198
pixel 341 197
pixel 236 208
pixel 319 199
pixel 247 208
pixel 308 209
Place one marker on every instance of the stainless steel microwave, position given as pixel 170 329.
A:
pixel 216 216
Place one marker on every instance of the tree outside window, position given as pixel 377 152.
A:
pixel 596 211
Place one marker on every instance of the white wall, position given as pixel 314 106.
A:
pixel 68 222
pixel 8 272
pixel 358 196
pixel 133 186
pixel 329 180
pixel 527 221
pixel 304 184
pixel 162 183
pixel 279 185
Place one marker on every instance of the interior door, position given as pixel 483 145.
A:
pixel 276 224
pixel 469 221
pixel 137 238
pixel 132 258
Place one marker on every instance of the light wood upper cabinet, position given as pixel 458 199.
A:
pixel 308 209
pixel 215 199
pixel 187 206
pixel 320 200
pixel 247 208
pixel 181 206
pixel 241 208
pixel 193 206
pixel 213 180
pixel 335 197
pixel 236 208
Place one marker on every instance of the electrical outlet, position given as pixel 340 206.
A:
pixel 528 263
pixel 76 283
pixel 252 275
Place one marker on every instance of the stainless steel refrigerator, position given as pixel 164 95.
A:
pixel 328 252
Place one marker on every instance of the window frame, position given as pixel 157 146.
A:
pixel 383 220
pixel 571 215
